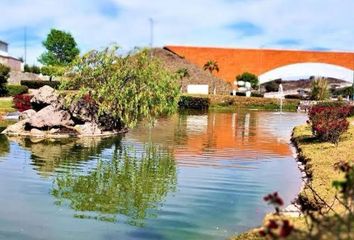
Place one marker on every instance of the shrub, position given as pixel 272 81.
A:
pixel 272 86
pixel 32 69
pixel 191 102
pixel 4 75
pixel 248 77
pixel 13 90
pixel 124 89
pixel 22 102
pixel 319 89
pixel 329 122
pixel 39 83
pixel 253 94
pixel 293 96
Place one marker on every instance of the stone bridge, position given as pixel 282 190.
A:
pixel 270 64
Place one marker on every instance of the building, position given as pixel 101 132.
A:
pixel 12 62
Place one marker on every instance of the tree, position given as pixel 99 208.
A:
pixel 182 73
pixel 61 49
pixel 4 75
pixel 248 77
pixel 212 66
pixel 123 89
pixel 319 89
pixel 32 69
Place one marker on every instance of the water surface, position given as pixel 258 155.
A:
pixel 190 176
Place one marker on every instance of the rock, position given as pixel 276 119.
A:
pixel 88 129
pixel 54 131
pixel 27 114
pixel 50 117
pixel 16 129
pixel 37 133
pixel 83 111
pixel 44 97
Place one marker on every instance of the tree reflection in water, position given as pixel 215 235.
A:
pixel 131 184
pixel 4 146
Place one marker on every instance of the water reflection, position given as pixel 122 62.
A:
pixel 4 146
pixel 131 184
pixel 49 156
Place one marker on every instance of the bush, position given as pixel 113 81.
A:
pixel 190 102
pixel 248 77
pixel 272 86
pixel 319 89
pixel 253 94
pixel 39 83
pixel 328 123
pixel 22 102
pixel 32 69
pixel 293 96
pixel 4 75
pixel 123 89
pixel 347 91
pixel 13 90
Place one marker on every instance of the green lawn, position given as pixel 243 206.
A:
pixel 6 105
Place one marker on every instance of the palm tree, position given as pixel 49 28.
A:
pixel 211 66
pixel 319 89
pixel 182 73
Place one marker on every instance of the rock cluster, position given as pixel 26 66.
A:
pixel 50 118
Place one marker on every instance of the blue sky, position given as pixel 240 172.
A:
pixel 286 24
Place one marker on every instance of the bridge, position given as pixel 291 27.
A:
pixel 270 64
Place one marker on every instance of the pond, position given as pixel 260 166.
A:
pixel 190 176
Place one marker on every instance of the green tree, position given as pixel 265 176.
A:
pixel 61 49
pixel 4 75
pixel 182 73
pixel 319 89
pixel 248 77
pixel 123 89
pixel 211 66
pixel 32 69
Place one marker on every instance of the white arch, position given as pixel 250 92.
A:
pixel 307 70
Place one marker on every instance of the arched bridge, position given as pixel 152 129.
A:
pixel 270 64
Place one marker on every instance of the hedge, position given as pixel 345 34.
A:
pixel 13 90
pixel 193 102
pixel 39 83
pixel 253 94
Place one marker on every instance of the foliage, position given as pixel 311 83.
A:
pixel 182 73
pixel 61 49
pixel 319 89
pixel 36 84
pixel 32 69
pixel 212 66
pixel 272 86
pixel 6 105
pixel 253 94
pixel 329 122
pixel 51 70
pixel 13 90
pixel 131 184
pixel 22 102
pixel 124 89
pixel 347 91
pixel 293 96
pixel 192 102
pixel 248 77
pixel 4 75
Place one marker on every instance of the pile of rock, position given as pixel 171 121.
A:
pixel 50 118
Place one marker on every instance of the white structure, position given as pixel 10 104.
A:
pixel 307 70
pixel 198 89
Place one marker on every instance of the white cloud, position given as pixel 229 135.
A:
pixel 312 23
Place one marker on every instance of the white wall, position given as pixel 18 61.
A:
pixel 197 89
pixel 307 70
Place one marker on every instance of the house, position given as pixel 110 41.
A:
pixel 12 62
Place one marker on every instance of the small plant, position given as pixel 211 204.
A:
pixel 248 77
pixel 4 75
pixel 328 123
pixel 22 102
pixel 319 89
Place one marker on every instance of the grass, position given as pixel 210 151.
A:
pixel 319 159
pixel 6 106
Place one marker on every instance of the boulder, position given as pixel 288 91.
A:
pixel 88 129
pixel 44 97
pixel 37 133
pixel 16 129
pixel 27 114
pixel 50 117
pixel 83 111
